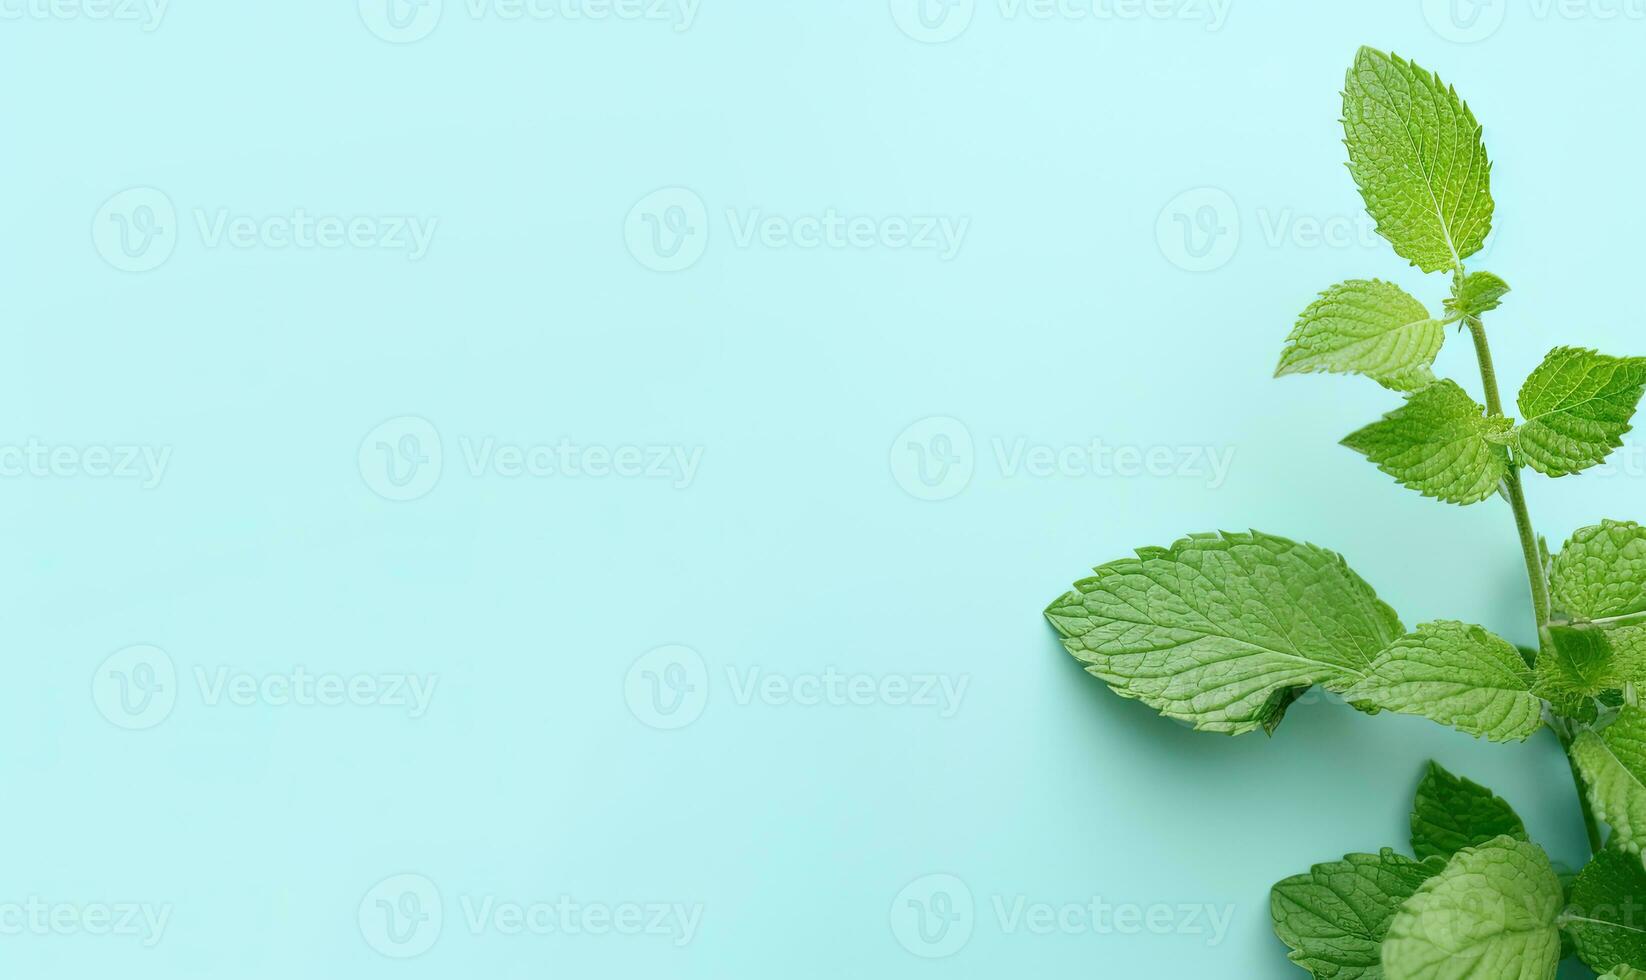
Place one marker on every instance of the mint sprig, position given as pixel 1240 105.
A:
pixel 1225 631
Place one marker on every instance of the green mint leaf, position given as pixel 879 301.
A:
pixel 1366 326
pixel 1601 572
pixel 1584 710
pixel 1458 675
pixel 1621 972
pixel 1220 630
pixel 1415 149
pixel 1579 663
pixel 1440 444
pixel 1613 763
pixel 1480 292
pixel 1491 915
pixel 1450 813
pixel 1577 407
pixel 1334 918
pixel 1606 914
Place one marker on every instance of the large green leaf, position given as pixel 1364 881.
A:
pixel 1416 151
pixel 1450 813
pixel 1221 630
pixel 1613 763
pixel 1440 443
pixel 1601 572
pixel 1334 918
pixel 1491 915
pixel 1366 326
pixel 1577 406
pixel 1606 915
pixel 1458 675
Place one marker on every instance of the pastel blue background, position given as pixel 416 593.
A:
pixel 794 549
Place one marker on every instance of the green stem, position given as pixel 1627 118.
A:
pixel 1514 490
pixel 1616 622
pixel 1515 493
pixel 1590 826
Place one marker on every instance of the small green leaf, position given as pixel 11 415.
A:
pixel 1450 813
pixel 1578 405
pixel 1613 763
pixel 1480 292
pixel 1416 151
pixel 1439 444
pixel 1580 663
pixel 1621 972
pixel 1458 675
pixel 1366 326
pixel 1220 630
pixel 1601 573
pixel 1491 915
pixel 1334 918
pixel 1606 917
